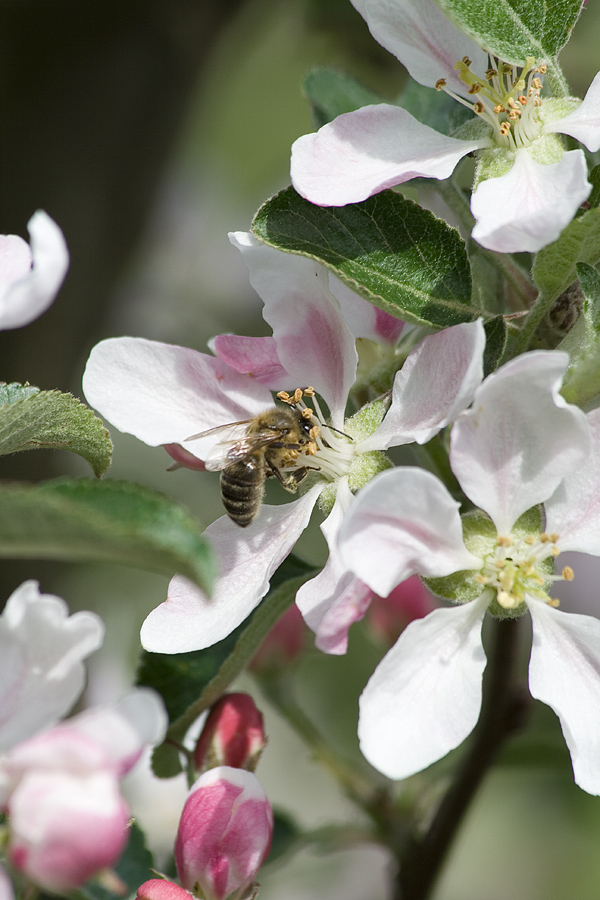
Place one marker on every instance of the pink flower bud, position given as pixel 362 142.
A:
pixel 224 834
pixel 283 644
pixel 388 616
pixel 159 889
pixel 65 827
pixel 233 735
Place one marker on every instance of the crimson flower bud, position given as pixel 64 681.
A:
pixel 388 616
pixel 224 834
pixel 160 889
pixel 283 644
pixel 233 734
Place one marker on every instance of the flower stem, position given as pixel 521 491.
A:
pixel 502 713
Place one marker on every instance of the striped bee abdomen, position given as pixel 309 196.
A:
pixel 242 485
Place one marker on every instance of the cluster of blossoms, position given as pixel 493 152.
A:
pixel 527 187
pixel 60 780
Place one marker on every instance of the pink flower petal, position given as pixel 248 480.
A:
pixel 364 319
pixel 163 394
pixel 529 206
pixel 360 153
pixel 314 343
pixel 423 39
pixel 247 558
pixel 424 697
pixel 514 446
pixel 433 386
pixel 403 523
pixel 256 356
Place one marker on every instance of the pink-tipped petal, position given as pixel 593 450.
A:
pixel 403 523
pixel 584 122
pixel 164 394
pixel 363 152
pixel 514 446
pixel 529 206
pixel 434 385
pixel 247 558
pixel 335 599
pixel 314 344
pixel 564 672
pixel 423 39
pixel 256 356
pixel 424 698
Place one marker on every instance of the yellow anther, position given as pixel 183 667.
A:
pixel 568 574
pixel 478 107
pixel 537 84
pixel 297 396
pixel 311 448
pixel 440 83
pixel 514 114
pixel 554 537
pixel 499 109
pixel 542 69
pixel 505 129
pixel 505 540
pixel 552 601
pixel 545 538
pixel 537 101
pixel 555 551
pixel 474 89
pixel 309 391
pixel 307 413
pixel 530 539
pixel 466 60
pixel 283 396
pixel 522 100
pixel 314 432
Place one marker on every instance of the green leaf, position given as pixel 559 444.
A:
pixel 111 521
pixel 392 252
pixel 589 279
pixel 516 29
pixel 31 419
pixel 134 868
pixel 495 342
pixel 594 179
pixel 554 266
pixel 332 92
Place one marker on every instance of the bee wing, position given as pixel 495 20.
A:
pixel 232 429
pixel 226 453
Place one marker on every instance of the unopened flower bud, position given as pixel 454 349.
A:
pixel 224 834
pixel 160 889
pixel 283 644
pixel 233 735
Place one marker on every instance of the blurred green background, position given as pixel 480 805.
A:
pixel 149 129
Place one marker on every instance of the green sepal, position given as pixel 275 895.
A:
pixel 581 384
pixel 31 419
pixel 495 343
pixel 516 29
pixel 388 249
pixel 81 520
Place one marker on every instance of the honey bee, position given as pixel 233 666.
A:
pixel 255 450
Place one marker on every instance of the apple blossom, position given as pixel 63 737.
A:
pixel 224 834
pixel 60 790
pixel 41 661
pixel 161 889
pixel 30 277
pixel 164 394
pixel 519 445
pixel 527 187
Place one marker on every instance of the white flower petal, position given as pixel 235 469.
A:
pixel 256 356
pixel 360 153
pixel 433 386
pixel 163 394
pixel 573 511
pixel 584 122
pixel 403 523
pixel 314 343
pixel 564 672
pixel 364 319
pixel 529 206
pixel 423 39
pixel 41 668
pixel 520 438
pixel 247 558
pixel 335 599
pixel 27 291
pixel 424 697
